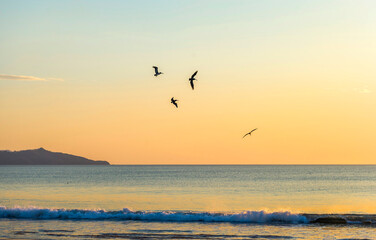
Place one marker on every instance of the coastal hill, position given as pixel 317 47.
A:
pixel 41 156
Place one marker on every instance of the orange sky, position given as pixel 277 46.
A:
pixel 303 73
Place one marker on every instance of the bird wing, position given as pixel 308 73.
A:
pixel 155 69
pixel 250 132
pixel 194 74
pixel 192 85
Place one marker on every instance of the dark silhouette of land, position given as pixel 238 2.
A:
pixel 156 71
pixel 191 79
pixel 250 132
pixel 173 101
pixel 41 156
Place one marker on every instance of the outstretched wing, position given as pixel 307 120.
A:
pixel 250 132
pixel 192 85
pixel 176 105
pixel 155 69
pixel 194 74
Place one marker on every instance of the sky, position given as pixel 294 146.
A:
pixel 77 77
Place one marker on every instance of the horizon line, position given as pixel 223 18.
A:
pixel 281 164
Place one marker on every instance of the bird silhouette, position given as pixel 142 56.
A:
pixel 156 71
pixel 173 101
pixel 250 132
pixel 191 79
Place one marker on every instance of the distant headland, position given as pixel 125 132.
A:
pixel 41 156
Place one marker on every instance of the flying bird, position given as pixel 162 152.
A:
pixel 191 79
pixel 173 101
pixel 156 71
pixel 250 132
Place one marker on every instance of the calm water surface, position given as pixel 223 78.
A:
pixel 125 202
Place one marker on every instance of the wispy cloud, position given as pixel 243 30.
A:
pixel 361 90
pixel 26 78
pixel 365 89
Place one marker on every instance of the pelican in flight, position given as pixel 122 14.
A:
pixel 191 79
pixel 173 101
pixel 250 132
pixel 156 71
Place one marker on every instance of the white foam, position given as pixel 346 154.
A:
pixel 171 216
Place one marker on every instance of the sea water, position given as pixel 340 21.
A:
pixel 188 202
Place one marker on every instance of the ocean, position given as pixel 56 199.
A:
pixel 188 202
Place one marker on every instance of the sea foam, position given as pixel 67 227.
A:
pixel 170 216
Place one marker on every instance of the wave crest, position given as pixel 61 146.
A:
pixel 170 216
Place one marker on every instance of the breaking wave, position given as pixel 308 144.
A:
pixel 170 216
pixel 261 217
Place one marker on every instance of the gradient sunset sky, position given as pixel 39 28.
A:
pixel 77 77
